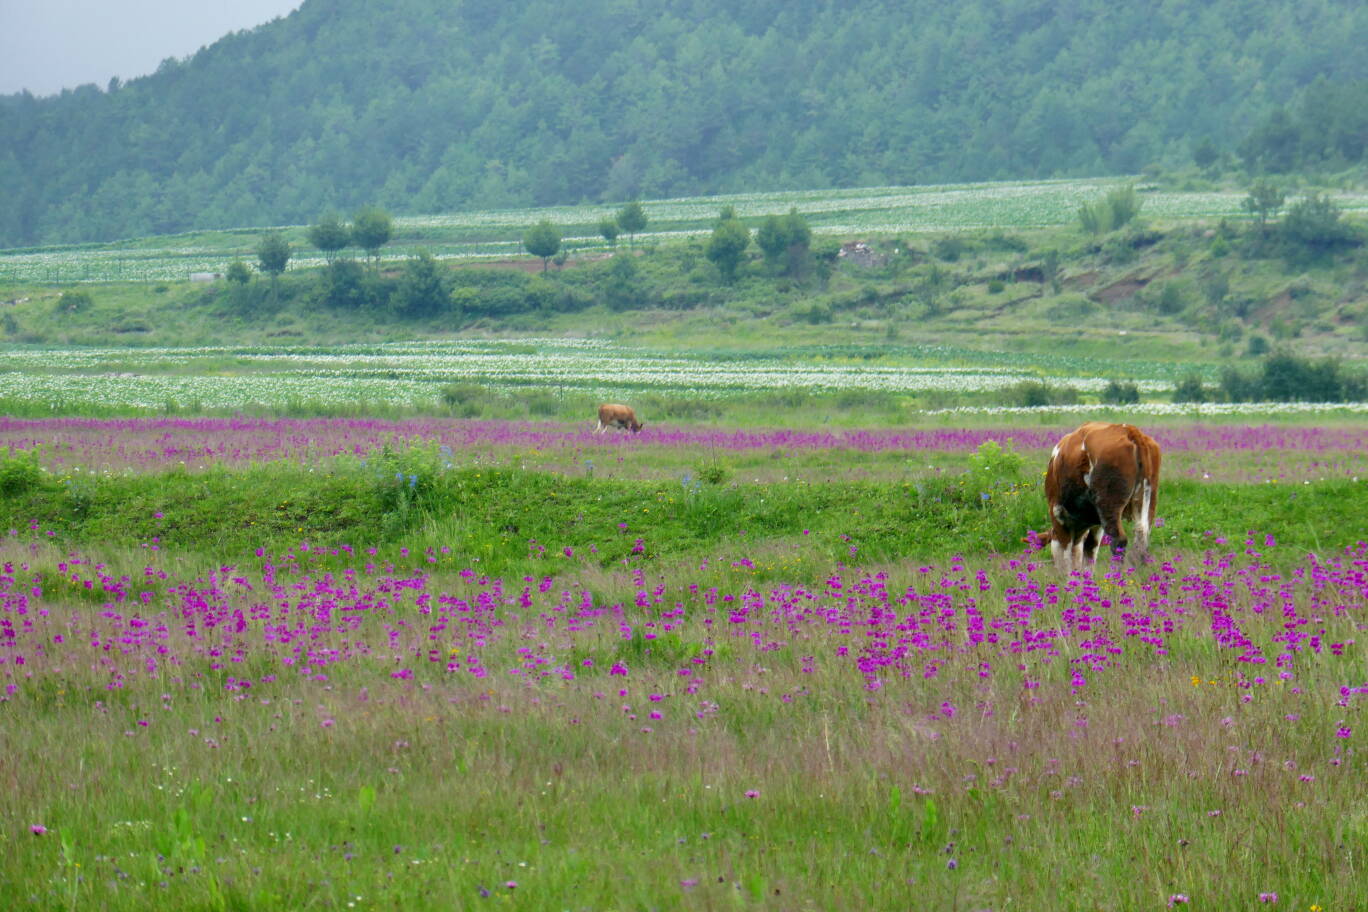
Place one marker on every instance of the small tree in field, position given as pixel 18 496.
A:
pixel 799 241
pixel 423 288
pixel 372 229
pixel 238 273
pixel 330 235
pixel 785 236
pixel 608 227
pixel 543 240
pixel 273 255
pixel 1264 201
pixel 631 218
pixel 728 245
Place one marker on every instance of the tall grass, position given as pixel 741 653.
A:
pixel 412 678
pixel 966 734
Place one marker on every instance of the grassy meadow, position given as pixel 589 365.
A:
pixel 257 664
pixel 297 612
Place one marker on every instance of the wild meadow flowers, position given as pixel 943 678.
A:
pixel 1015 620
pixel 1231 676
pixel 1290 453
pixel 398 719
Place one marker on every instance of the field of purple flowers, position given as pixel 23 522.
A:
pixel 335 730
pixel 782 724
pixel 1240 453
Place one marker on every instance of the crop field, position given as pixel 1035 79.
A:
pixel 219 379
pixel 228 378
pixel 573 373
pixel 496 234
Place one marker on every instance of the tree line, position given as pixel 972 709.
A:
pixel 1281 377
pixel 424 287
pixel 1326 128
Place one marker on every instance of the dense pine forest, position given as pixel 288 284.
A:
pixel 433 105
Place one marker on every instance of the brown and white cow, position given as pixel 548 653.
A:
pixel 1099 475
pixel 617 416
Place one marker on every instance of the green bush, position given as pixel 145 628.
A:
pixel 466 400
pixel 1190 389
pixel 1116 210
pixel 74 302
pixel 239 273
pixel 1289 378
pixel 1006 242
pixel 621 286
pixel 713 473
pixel 1285 377
pixel 492 301
pixel 19 472
pixel 994 466
pixel 1118 393
pixel 1170 300
pixel 815 313
pixel 423 289
pixel 950 247
pixel 1037 393
pixel 1313 225
pixel 344 284
pixel 1117 250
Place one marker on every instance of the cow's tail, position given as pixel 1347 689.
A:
pixel 1144 455
pixel 1146 479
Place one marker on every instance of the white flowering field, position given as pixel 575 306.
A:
pixel 227 378
pixel 492 234
pixel 414 374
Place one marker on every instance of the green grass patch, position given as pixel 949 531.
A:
pixel 516 519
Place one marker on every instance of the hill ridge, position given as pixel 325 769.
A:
pixel 428 106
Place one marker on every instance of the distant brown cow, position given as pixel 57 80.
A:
pixel 1097 476
pixel 617 416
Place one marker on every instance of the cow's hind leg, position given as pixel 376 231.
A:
pixel 1141 523
pixel 1087 548
pixel 1061 549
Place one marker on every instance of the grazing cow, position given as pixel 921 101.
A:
pixel 618 416
pixel 1097 476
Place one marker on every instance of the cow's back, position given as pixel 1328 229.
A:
pixel 611 413
pixel 614 414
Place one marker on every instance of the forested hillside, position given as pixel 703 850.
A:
pixel 434 105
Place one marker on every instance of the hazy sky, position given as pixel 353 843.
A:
pixel 49 45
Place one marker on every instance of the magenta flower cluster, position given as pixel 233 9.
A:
pixel 1020 624
pixel 154 443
